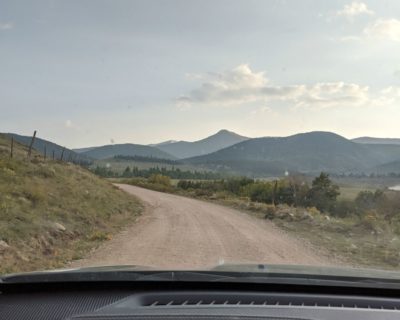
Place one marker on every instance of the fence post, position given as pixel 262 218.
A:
pixel 30 146
pixel 12 147
pixel 275 192
pixel 53 154
pixel 62 154
pixel 44 152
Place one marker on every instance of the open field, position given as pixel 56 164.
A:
pixel 351 186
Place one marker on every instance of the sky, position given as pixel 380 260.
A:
pixel 93 72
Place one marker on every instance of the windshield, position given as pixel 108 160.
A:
pixel 199 135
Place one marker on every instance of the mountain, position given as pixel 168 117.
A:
pixel 39 145
pixel 81 150
pixel 385 152
pixel 306 152
pixel 386 168
pixel 163 143
pixel 372 140
pixel 186 149
pixel 127 149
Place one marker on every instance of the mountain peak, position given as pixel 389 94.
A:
pixel 224 131
pixel 184 149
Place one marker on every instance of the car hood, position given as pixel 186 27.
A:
pixel 224 272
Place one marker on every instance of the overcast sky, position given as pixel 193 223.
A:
pixel 89 72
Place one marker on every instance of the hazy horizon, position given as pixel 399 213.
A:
pixel 186 140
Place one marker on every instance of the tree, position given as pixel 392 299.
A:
pixel 127 172
pixel 367 200
pixel 323 193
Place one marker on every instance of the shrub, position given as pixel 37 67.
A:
pixel 235 185
pixel 160 179
pixel 259 192
pixel 367 200
pixel 344 208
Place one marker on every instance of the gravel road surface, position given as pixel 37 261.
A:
pixel 176 232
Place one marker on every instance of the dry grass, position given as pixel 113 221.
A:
pixel 36 196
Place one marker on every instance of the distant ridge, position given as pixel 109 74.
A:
pixel 163 143
pixel 310 152
pixel 372 140
pixel 186 149
pixel 127 149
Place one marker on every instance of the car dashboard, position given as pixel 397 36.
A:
pixel 193 301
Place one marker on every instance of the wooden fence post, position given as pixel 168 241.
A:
pixel 45 152
pixel 274 192
pixel 30 146
pixel 12 147
pixel 62 154
pixel 53 154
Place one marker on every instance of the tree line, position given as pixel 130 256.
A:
pixel 173 173
pixel 146 159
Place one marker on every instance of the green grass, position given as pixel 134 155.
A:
pixel 37 195
pixel 351 192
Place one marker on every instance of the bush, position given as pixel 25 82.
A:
pixel 259 192
pixel 344 208
pixel 235 185
pixel 367 200
pixel 160 179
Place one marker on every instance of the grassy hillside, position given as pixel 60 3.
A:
pixel 185 149
pixel 127 149
pixel 311 152
pixel 53 212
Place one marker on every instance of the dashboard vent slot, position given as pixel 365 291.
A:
pixel 289 300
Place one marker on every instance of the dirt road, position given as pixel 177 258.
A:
pixel 178 232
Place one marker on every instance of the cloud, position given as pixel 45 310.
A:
pixel 68 124
pixel 386 29
pixel 354 9
pixel 350 39
pixel 241 85
pixel 261 110
pixel 6 26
